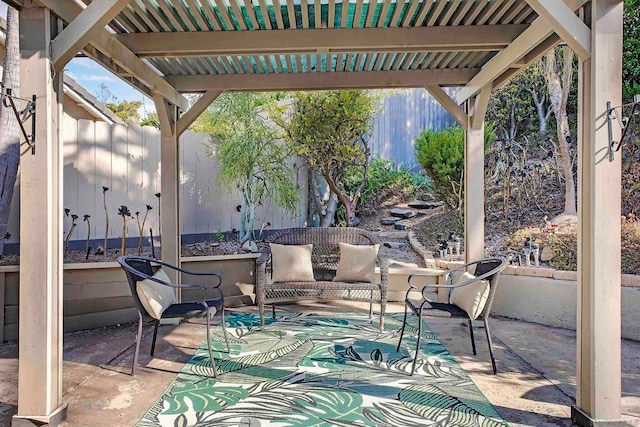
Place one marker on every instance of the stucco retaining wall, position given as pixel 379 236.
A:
pixel 97 294
pixel 549 297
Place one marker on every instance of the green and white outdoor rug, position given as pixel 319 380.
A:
pixel 312 370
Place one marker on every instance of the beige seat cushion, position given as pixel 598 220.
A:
pixel 471 298
pixel 357 263
pixel 156 297
pixel 291 263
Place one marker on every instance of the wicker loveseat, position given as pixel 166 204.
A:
pixel 324 258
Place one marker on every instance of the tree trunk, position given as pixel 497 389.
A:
pixel 558 77
pixel 543 115
pixel 332 205
pixel 9 128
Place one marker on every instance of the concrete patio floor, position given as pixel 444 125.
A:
pixel 535 385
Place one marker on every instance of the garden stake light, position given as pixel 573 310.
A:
pixel 106 218
pixel 87 247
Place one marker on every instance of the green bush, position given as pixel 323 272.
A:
pixel 441 154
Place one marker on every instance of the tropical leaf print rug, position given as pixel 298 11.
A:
pixel 312 370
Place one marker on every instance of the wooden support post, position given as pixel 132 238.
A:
pixel 40 312
pixel 169 184
pixel 474 177
pixel 598 397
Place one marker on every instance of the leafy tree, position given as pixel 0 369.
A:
pixel 513 106
pixel 631 49
pixel 126 110
pixel 151 119
pixel 251 156
pixel 329 129
pixel 9 127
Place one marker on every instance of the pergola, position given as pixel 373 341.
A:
pixel 166 48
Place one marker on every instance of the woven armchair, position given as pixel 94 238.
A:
pixel 324 258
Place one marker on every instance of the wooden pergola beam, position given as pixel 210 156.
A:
pixel 329 40
pixel 106 43
pixel 323 81
pixel 196 109
pixel 480 106
pixel 449 104
pixel 79 31
pixel 539 31
pixel 566 24
pixel 527 60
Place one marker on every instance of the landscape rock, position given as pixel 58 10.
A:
pixel 546 254
pixel 395 245
pixel 356 221
pixel 388 221
pixel 402 225
pixel 403 213
pixel 250 246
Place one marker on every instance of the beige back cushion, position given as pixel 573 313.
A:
pixel 291 263
pixel 471 298
pixel 156 297
pixel 357 263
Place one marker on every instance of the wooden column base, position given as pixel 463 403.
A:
pixel 53 419
pixel 580 418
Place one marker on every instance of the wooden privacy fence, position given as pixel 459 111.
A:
pixel 405 115
pixel 126 159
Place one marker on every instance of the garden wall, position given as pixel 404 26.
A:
pixel 126 159
pixel 97 294
pixel 549 297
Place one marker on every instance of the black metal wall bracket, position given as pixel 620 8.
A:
pixel 623 121
pixel 28 112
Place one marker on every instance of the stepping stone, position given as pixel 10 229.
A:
pixel 419 204
pixel 388 221
pixel 402 225
pixel 403 213
pixel 395 245
pixel 426 205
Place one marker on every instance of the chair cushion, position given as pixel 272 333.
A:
pixel 155 297
pixel 357 263
pixel 291 263
pixel 471 298
pixel 192 309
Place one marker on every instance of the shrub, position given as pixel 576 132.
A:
pixel 386 183
pixel 441 154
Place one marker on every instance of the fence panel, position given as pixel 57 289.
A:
pixel 126 159
pixel 405 115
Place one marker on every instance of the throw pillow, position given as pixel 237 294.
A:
pixel 471 298
pixel 357 263
pixel 154 296
pixel 291 263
